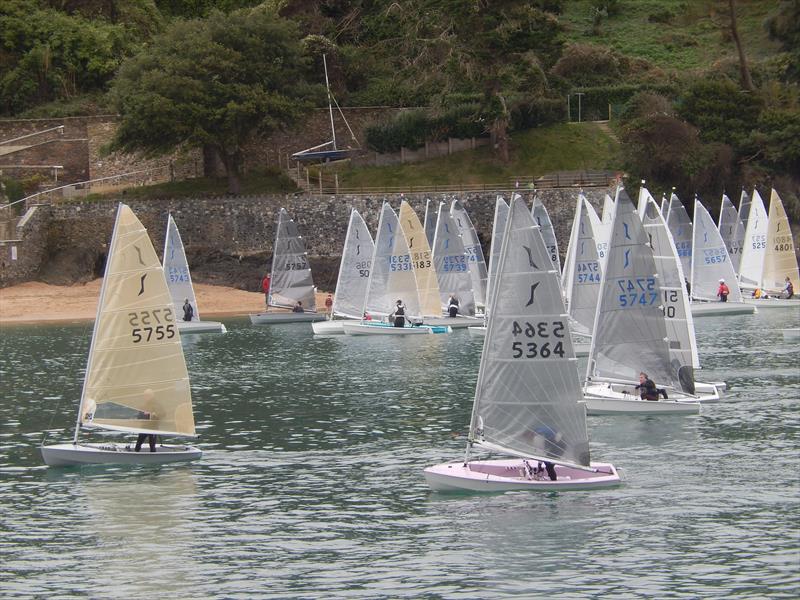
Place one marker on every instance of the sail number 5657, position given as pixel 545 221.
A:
pixel 545 347
pixel 152 325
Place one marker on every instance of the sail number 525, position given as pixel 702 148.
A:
pixel 155 325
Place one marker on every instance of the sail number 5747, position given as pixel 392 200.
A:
pixel 548 334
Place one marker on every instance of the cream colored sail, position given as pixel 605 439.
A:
pixel 421 261
pixel 780 260
pixel 136 378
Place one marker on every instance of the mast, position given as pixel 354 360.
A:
pixel 330 104
pixel 111 248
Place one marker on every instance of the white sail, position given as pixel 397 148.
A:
pixel 498 229
pixel 176 270
pixel 780 260
pixel 629 334
pixel 452 264
pixel 583 288
pixel 291 273
pixel 568 270
pixel 542 218
pixel 526 398
pixel 602 228
pixel 477 264
pixel 674 298
pixel 731 229
pixel 710 260
pixel 430 221
pixel 608 210
pixel 755 244
pixel 744 208
pixel 680 226
pixel 351 284
pixel 421 262
pixel 392 275
pixel 136 378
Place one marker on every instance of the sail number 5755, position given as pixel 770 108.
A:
pixel 548 335
pixel 152 325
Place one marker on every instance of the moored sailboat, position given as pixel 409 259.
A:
pixel 136 379
pixel 526 399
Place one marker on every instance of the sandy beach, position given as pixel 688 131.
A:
pixel 35 302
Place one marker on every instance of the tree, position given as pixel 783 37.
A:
pixel 213 83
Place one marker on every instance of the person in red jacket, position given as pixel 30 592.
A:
pixel 265 288
pixel 723 291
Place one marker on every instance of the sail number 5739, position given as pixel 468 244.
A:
pixel 548 333
pixel 152 325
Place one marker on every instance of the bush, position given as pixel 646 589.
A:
pixel 538 112
pixel 663 15
pixel 588 65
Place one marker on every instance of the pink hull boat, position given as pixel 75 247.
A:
pixel 511 474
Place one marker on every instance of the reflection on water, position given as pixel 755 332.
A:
pixel 311 484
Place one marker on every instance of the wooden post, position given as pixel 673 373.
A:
pixel 336 180
pixel 320 181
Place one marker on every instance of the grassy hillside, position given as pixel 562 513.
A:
pixel 584 146
pixel 673 34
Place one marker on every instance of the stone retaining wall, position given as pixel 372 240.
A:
pixel 229 239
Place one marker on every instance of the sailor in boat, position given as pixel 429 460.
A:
pixel 723 291
pixel 188 311
pixel 298 308
pixel 788 290
pixel 399 314
pixel 146 416
pixel 552 442
pixel 452 306
pixel 265 288
pixel 688 288
pixel 329 305
pixel 647 388
pixel 366 317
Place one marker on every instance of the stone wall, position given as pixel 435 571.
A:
pixel 229 240
pixel 22 259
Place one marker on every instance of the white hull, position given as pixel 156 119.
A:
pixel 453 322
pixel 477 331
pixel 65 455
pixel 187 327
pixel 708 309
pixel 358 328
pixel 328 327
pixel 509 475
pixel 275 318
pixel 791 334
pixel 609 399
pixel 773 303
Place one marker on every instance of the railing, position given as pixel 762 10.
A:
pixel 60 129
pixel 85 187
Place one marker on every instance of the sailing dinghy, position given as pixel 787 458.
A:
pixel 711 263
pixel 731 229
pixel 780 260
pixel 391 278
pixel 136 379
pixel 472 245
pixel 630 333
pixel 351 285
pixel 527 396
pixel 179 281
pixel 291 278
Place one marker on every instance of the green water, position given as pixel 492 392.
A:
pixel 311 485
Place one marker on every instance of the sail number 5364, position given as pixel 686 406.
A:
pixel 152 325
pixel 546 347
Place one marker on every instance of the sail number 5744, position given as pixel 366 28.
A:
pixel 548 335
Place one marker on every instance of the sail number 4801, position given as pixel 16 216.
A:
pixel 155 325
pixel 542 349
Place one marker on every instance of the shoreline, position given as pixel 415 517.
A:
pixel 33 302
